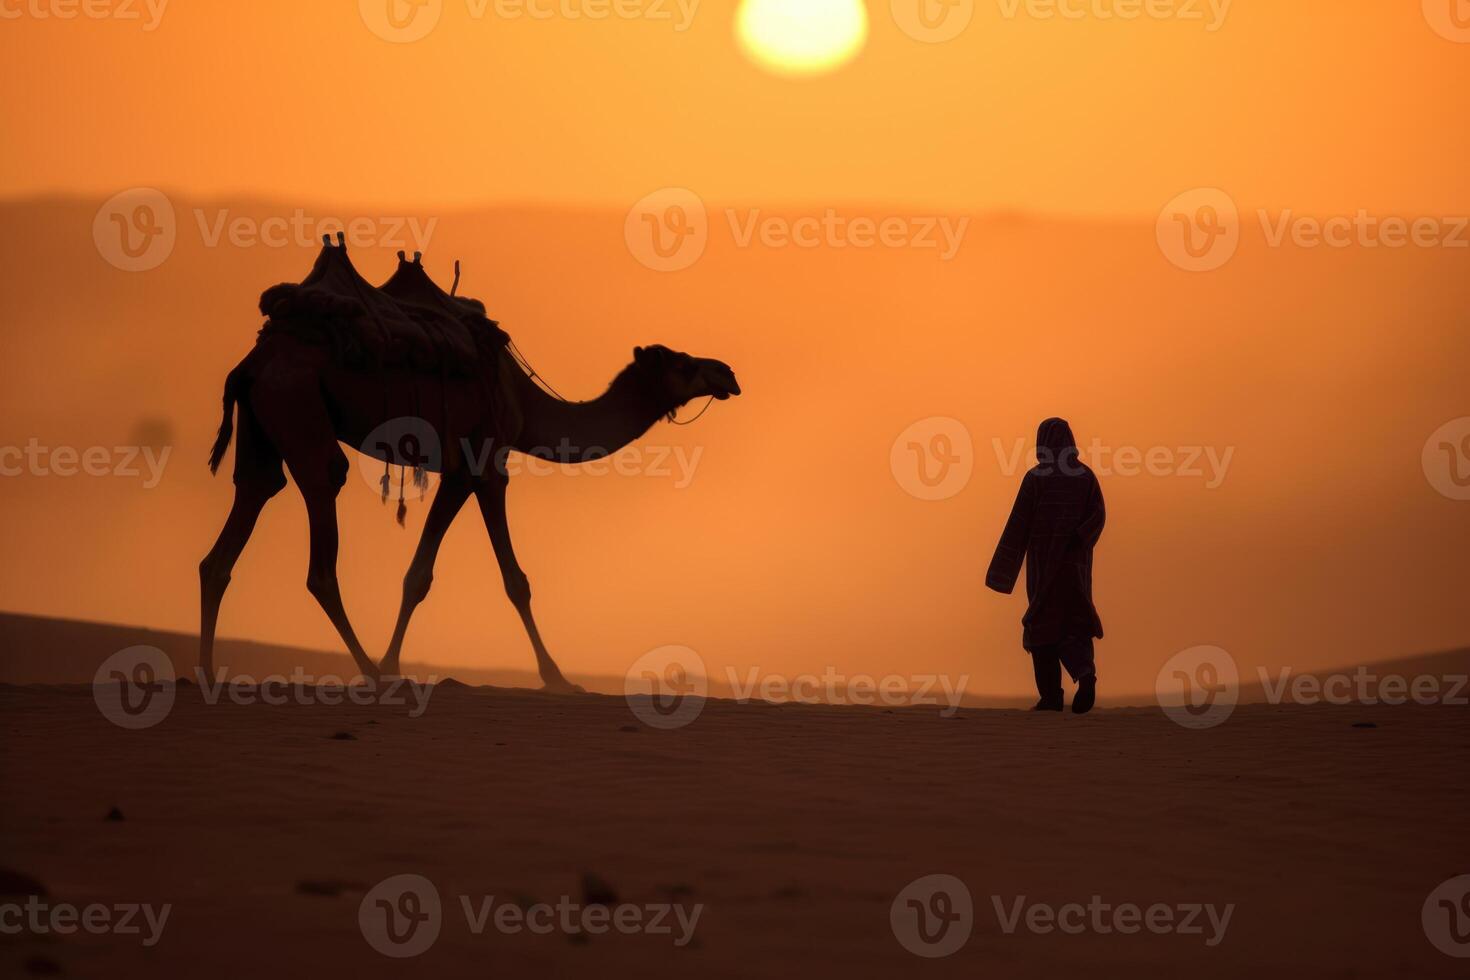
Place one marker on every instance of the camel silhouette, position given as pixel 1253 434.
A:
pixel 299 396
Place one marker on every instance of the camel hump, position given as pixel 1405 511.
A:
pixel 408 322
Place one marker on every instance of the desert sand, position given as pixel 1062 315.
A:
pixel 793 827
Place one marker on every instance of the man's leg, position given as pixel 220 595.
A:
pixel 1076 654
pixel 1048 669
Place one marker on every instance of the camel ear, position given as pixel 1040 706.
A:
pixel 657 354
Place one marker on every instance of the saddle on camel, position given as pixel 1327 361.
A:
pixel 407 322
pixel 435 344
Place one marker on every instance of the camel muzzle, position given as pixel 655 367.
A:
pixel 725 384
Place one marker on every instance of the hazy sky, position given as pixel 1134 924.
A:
pixel 1322 105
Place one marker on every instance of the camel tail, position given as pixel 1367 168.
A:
pixel 227 425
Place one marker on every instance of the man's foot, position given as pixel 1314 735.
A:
pixel 1086 696
pixel 1049 704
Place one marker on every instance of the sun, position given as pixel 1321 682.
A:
pixel 802 37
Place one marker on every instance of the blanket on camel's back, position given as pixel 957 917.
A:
pixel 408 323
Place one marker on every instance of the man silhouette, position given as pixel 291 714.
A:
pixel 1055 523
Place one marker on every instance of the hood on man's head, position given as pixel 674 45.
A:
pixel 1055 442
pixel 1056 435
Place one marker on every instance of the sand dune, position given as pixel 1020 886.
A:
pixel 793 829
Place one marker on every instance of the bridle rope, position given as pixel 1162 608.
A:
pixel 696 418
pixel 536 377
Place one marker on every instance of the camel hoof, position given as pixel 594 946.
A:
pixel 562 686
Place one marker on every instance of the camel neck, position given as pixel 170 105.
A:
pixel 576 432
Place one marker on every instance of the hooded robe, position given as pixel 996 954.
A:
pixel 1055 523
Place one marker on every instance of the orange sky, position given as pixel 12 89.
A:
pixel 1321 104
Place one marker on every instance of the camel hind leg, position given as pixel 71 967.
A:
pixel 258 478
pixel 293 413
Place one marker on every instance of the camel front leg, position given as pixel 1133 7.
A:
pixel 448 500
pixel 491 496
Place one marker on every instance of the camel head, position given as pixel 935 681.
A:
pixel 677 378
